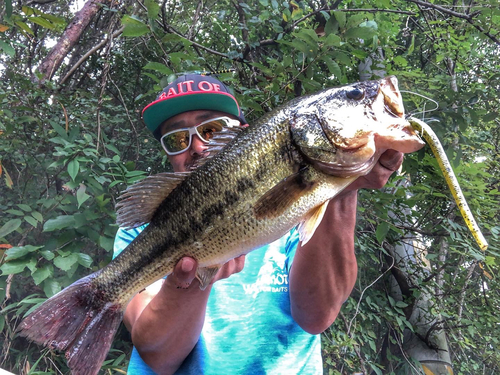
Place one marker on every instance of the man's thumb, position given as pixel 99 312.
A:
pixel 184 272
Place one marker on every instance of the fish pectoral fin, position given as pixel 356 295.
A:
pixel 308 226
pixel 310 223
pixel 205 275
pixel 274 202
pixel 139 202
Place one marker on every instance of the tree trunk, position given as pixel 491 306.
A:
pixel 69 38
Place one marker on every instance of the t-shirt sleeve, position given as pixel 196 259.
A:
pixel 291 247
pixel 124 237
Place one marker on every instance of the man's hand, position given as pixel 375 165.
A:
pixel 329 255
pixel 387 164
pixel 185 271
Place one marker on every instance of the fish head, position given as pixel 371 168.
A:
pixel 343 130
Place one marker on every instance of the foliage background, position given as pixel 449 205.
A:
pixel 71 138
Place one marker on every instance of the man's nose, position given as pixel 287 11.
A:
pixel 198 147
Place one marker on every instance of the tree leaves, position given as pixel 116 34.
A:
pixel 60 222
pixel 10 227
pixel 134 27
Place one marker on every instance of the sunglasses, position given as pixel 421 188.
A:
pixel 178 141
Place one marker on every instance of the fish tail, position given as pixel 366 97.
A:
pixel 78 320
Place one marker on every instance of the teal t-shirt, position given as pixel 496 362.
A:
pixel 248 325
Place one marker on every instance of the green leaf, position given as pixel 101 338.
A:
pixel 400 60
pixel 10 268
pixel 381 231
pixel 331 26
pixel 60 222
pixel 37 215
pixel 372 344
pixel 24 207
pixel 342 58
pixel 7 48
pixel 490 116
pixel 340 17
pixel 158 67
pixel 84 260
pixel 51 287
pixel 15 212
pixel 81 195
pixel 309 36
pixel 153 8
pixel 42 22
pixel 42 273
pixel 20 251
pixel 360 32
pixel 10 227
pixel 287 15
pixel 134 27
pixel 411 48
pixel 73 168
pixel 65 263
pixel 61 131
pixel 332 40
pixel 47 254
pixel 54 19
pixel 31 220
pixel 8 13
pixel 106 243
pixel 333 67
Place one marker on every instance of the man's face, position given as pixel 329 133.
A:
pixel 182 162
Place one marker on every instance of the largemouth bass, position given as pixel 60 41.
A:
pixel 257 184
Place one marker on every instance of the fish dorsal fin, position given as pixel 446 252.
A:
pixel 274 202
pixel 217 143
pixel 139 202
pixel 311 221
pixel 206 274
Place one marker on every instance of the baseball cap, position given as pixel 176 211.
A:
pixel 190 92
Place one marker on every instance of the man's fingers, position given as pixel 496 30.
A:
pixel 391 160
pixel 231 267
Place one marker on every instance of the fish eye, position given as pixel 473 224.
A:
pixel 355 94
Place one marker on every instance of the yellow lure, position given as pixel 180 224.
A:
pixel 438 151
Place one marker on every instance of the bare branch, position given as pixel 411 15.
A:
pixel 442 9
pixel 89 53
pixel 68 39
pixel 468 17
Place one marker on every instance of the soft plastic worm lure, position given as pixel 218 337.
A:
pixel 438 151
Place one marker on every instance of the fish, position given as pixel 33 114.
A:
pixel 255 185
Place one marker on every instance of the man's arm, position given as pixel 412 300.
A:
pixel 324 270
pixel 166 322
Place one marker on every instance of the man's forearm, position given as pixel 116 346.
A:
pixel 324 271
pixel 169 326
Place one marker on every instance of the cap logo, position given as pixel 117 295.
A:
pixel 187 86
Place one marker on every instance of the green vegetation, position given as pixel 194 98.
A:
pixel 71 138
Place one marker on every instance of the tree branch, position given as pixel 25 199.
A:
pixel 89 53
pixel 468 17
pixel 443 10
pixel 68 39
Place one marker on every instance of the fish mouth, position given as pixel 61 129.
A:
pixel 392 97
pixel 357 169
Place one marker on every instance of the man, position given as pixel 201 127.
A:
pixel 261 315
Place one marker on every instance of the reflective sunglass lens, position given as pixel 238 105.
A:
pixel 176 141
pixel 206 131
